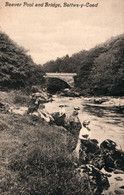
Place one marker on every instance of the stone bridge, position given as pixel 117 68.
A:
pixel 67 77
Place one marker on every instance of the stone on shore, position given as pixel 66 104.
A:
pixel 98 181
pixel 117 192
pixel 118 179
pixel 69 93
pixel 114 158
pixel 118 171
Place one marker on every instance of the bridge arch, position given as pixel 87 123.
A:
pixel 56 84
pixel 66 77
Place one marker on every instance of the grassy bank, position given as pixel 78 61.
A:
pixel 36 157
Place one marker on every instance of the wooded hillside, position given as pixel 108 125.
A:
pixel 17 69
pixel 100 71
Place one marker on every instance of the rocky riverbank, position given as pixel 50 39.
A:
pixel 106 157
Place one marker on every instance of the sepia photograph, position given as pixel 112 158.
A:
pixel 62 97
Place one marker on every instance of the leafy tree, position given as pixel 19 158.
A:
pixel 17 69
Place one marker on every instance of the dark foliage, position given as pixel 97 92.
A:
pixel 100 71
pixel 17 69
pixel 105 74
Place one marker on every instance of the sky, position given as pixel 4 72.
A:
pixel 48 33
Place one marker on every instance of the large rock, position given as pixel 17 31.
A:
pixel 118 179
pixel 118 171
pixel 98 181
pixel 119 192
pixel 69 93
pixel 106 155
pixel 89 152
pixel 98 161
pixel 4 107
pixel 36 99
pixel 114 158
pixel 108 144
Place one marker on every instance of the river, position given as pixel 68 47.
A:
pixel 106 123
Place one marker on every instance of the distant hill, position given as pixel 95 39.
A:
pixel 100 71
pixel 17 69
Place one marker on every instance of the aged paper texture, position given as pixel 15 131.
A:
pixel 80 46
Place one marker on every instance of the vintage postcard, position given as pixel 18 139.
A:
pixel 62 97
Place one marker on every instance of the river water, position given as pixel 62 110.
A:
pixel 106 123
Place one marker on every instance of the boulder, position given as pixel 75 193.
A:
pixel 1 105
pixel 69 93
pixel 118 192
pixel 98 161
pixel 90 153
pixel 98 181
pixel 4 107
pixel 118 179
pixel 113 157
pixel 36 99
pixel 118 171
pixel 108 144
pixel 121 187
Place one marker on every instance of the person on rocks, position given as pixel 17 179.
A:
pixel 44 114
pixel 35 100
pixel 83 139
pixel 86 146
pixel 72 123
pixel 59 117
pixel 62 110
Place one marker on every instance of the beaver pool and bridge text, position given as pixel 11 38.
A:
pixel 51 5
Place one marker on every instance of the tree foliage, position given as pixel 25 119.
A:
pixel 100 71
pixel 17 69
pixel 106 75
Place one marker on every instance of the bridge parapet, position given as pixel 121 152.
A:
pixel 60 74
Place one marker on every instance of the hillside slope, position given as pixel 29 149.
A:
pixel 100 71
pixel 17 69
pixel 36 158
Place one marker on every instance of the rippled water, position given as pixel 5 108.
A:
pixel 106 122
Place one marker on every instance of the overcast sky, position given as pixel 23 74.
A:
pixel 54 32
